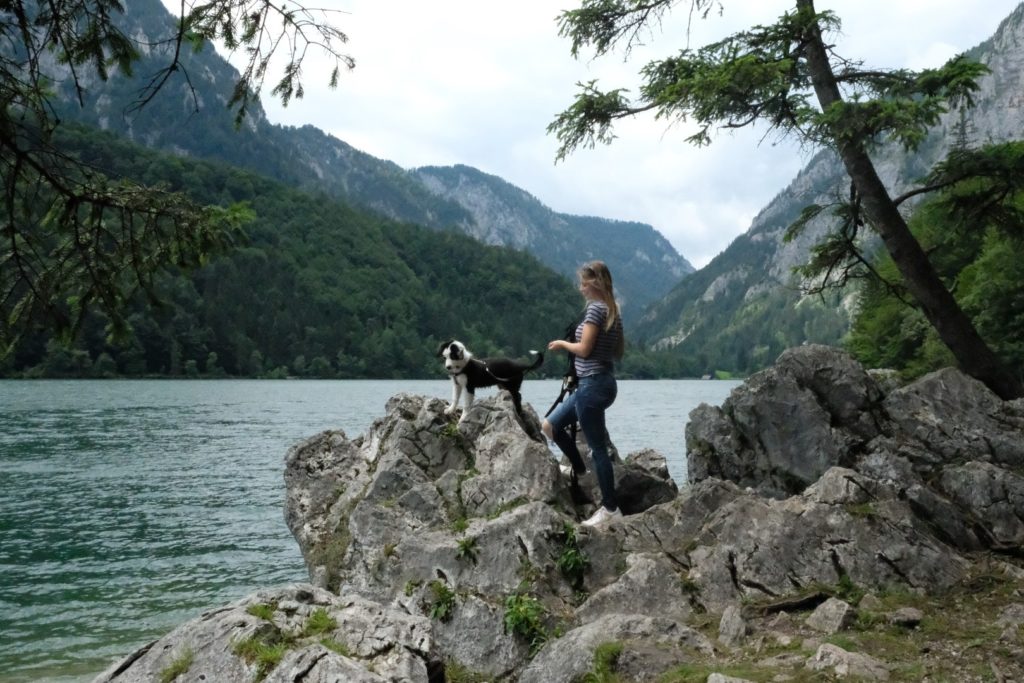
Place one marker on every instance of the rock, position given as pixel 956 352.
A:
pixel 732 629
pixel 832 616
pixel 1011 615
pixel 871 603
pixel 373 639
pixel 785 426
pixel 907 617
pixel 848 664
pixel 572 655
pixel 958 418
pixel 992 496
pixel 760 549
pixel 722 678
pixel 651 585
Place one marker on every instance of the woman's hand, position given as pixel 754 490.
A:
pixel 557 345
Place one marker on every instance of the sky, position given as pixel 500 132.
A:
pixel 476 82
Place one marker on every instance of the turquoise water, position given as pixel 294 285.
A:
pixel 128 507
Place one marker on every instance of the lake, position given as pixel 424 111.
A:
pixel 130 506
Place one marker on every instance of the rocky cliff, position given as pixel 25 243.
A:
pixel 823 500
pixel 749 291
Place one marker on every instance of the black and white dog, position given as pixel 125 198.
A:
pixel 469 374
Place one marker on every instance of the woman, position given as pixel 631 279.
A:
pixel 598 342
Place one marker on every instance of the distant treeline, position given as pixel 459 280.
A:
pixel 316 289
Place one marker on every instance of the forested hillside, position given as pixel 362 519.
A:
pixel 975 235
pixel 317 288
pixel 188 117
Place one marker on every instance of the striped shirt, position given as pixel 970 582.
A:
pixel 603 353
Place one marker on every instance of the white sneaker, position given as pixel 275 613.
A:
pixel 603 516
pixel 566 470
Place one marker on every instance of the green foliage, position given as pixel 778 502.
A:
pixel 76 237
pixel 510 505
pixel 455 672
pixel 847 590
pixel 467 550
pixel 573 561
pixel 319 288
pixel 605 657
pixel 337 646
pixel 178 666
pixel 443 603
pixel 263 611
pixel 319 622
pixel 524 618
pixel 266 655
pixel 759 74
pixel 974 233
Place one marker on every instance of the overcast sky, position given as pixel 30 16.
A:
pixel 476 82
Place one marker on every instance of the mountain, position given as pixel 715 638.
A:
pixel 646 266
pixel 742 309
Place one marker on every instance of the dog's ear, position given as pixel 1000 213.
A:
pixel 441 348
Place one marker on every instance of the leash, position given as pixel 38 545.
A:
pixel 568 386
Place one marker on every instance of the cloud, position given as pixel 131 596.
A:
pixel 477 83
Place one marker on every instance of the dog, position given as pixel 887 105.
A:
pixel 469 374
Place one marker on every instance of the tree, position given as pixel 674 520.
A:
pixel 787 76
pixel 71 238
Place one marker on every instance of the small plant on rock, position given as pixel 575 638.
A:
pixel 573 562
pixel 264 654
pixel 444 601
pixel 454 672
pixel 337 646
pixel 319 622
pixel 263 611
pixel 524 617
pixel 178 666
pixel 605 657
pixel 467 550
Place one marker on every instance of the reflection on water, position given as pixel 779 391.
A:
pixel 128 507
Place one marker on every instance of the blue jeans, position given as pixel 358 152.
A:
pixel 593 395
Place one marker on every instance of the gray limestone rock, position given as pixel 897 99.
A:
pixel 848 664
pixel 832 616
pixel 732 628
pixel 218 643
pixel 572 655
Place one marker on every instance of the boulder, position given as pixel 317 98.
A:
pixel 319 636
pixel 846 664
pixel 832 616
pixel 785 426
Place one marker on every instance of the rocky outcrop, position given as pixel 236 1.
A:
pixel 944 453
pixel 455 544
pixel 289 634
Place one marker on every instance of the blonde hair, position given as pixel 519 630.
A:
pixel 597 275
